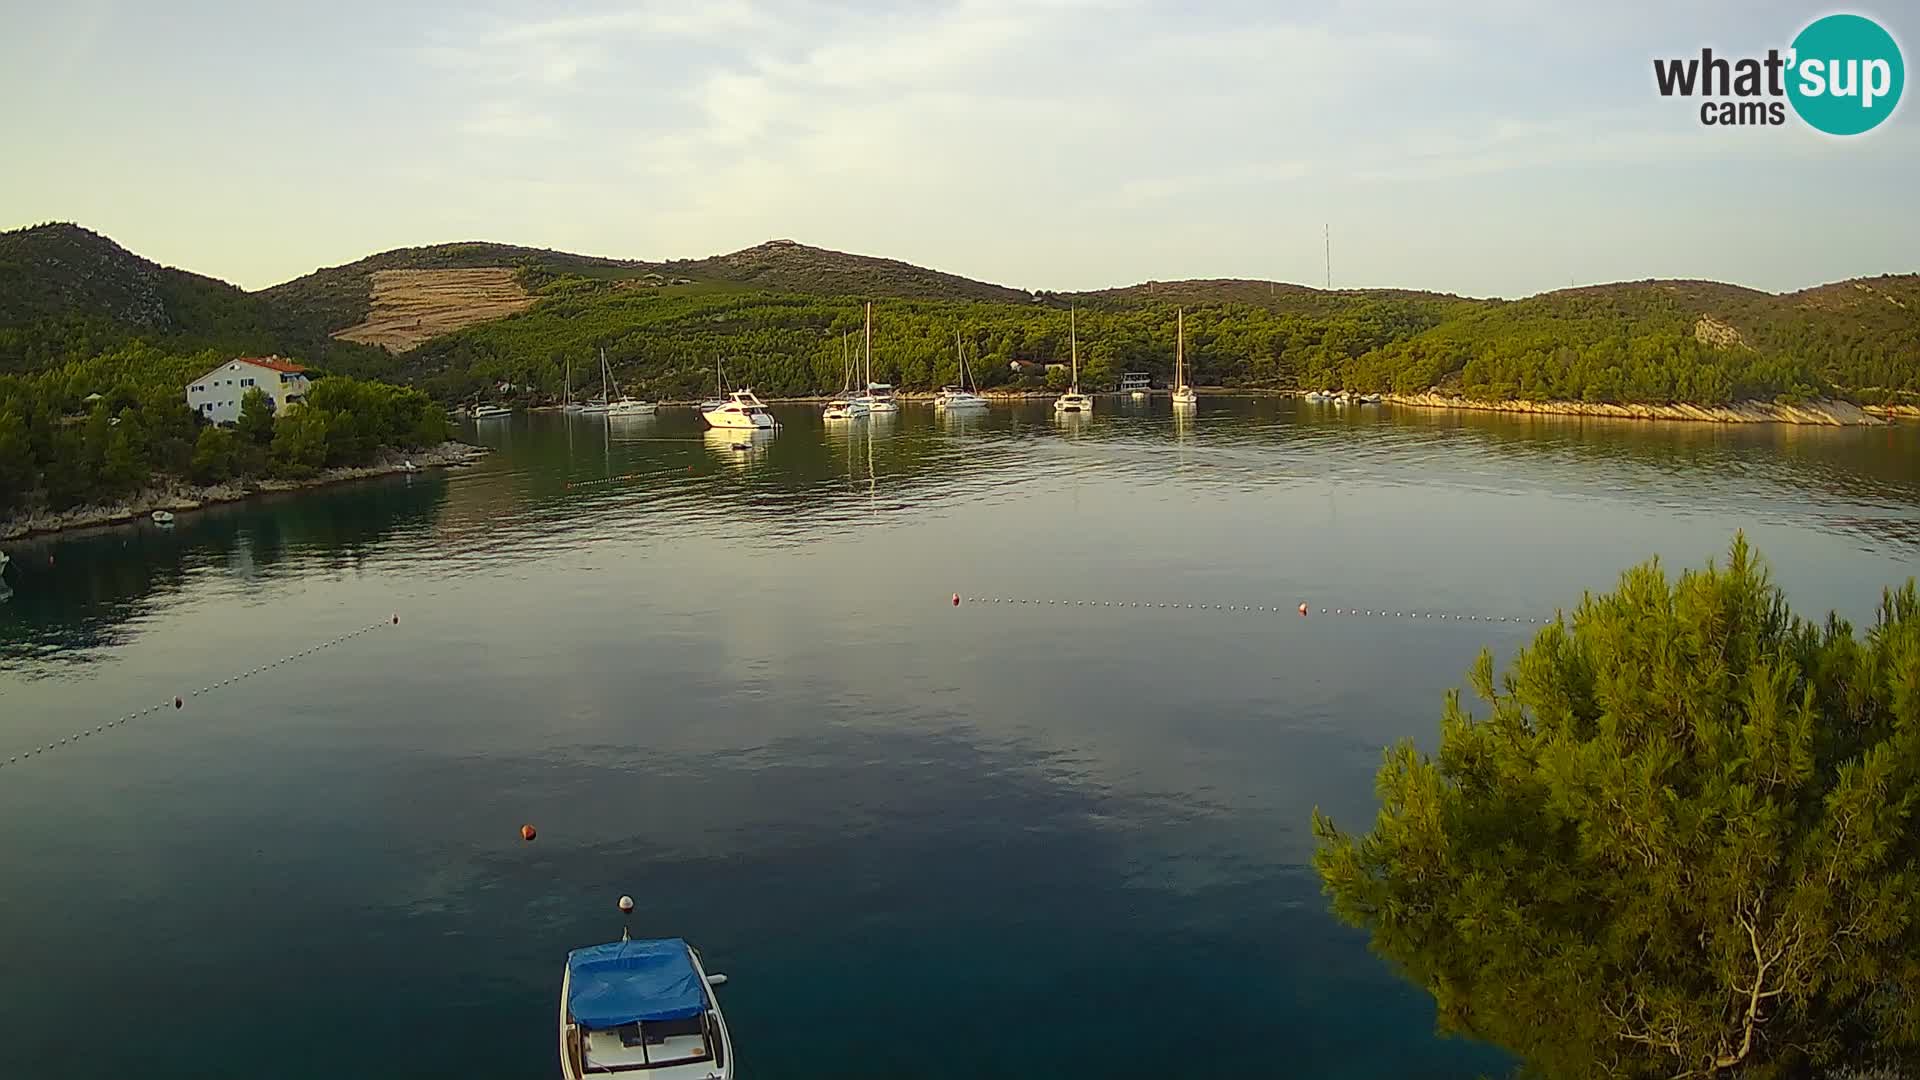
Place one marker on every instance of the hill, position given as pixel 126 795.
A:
pixel 1273 295
pixel 1653 342
pixel 337 298
pixel 786 266
pixel 458 318
pixel 67 292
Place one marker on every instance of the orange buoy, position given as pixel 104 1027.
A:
pixel 527 832
pixel 956 599
pixel 1303 611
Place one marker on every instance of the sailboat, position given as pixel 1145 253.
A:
pixel 568 404
pixel 958 397
pixel 1073 401
pixel 1183 394
pixel 879 396
pixel 719 397
pixel 847 406
pixel 621 405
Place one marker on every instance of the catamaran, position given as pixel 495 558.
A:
pixel 879 396
pixel 741 410
pixel 645 1007
pixel 955 398
pixel 846 406
pixel 1183 394
pixel 1073 401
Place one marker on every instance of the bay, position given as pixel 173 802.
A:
pixel 1057 836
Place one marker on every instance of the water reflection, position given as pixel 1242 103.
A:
pixel 733 684
pixel 78 593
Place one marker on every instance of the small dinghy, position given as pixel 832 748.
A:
pixel 163 517
pixel 645 1006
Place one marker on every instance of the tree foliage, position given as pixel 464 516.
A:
pixel 1640 343
pixel 58 449
pixel 1681 842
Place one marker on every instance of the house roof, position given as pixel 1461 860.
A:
pixel 273 362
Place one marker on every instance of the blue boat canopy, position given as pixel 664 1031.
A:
pixel 610 985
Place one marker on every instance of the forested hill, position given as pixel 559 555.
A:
pixel 67 293
pixel 457 319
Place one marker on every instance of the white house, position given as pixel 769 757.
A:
pixel 217 394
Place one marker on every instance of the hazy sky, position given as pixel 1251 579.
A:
pixel 1059 144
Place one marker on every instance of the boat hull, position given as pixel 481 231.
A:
pixel 739 421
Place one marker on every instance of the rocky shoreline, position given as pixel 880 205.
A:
pixel 1826 412
pixel 181 497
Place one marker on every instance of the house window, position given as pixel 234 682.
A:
pixel 246 382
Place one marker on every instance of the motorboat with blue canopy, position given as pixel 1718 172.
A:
pixel 644 1006
pixel 633 981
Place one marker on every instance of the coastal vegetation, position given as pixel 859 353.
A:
pixel 1681 841
pixel 93 430
pixel 775 315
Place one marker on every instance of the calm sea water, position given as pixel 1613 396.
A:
pixel 924 841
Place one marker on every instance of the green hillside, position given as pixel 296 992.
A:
pixel 338 296
pixel 67 293
pixel 775 314
pixel 1663 341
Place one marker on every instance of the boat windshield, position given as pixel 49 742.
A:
pixel 650 1045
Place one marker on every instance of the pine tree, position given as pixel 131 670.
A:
pixel 1681 843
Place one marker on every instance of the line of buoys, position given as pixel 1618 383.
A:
pixel 179 701
pixel 1303 609
pixel 605 480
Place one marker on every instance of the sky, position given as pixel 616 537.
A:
pixel 1494 149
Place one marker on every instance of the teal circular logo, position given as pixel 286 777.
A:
pixel 1846 74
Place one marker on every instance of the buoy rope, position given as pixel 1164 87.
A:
pixel 179 701
pixel 1296 610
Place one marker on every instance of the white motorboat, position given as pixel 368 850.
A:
pixel 1369 399
pixel 1183 395
pixel 879 396
pixel 958 398
pixel 742 410
pixel 489 411
pixel 643 1007
pixel 618 404
pixel 1136 384
pixel 1073 401
pixel 1316 396
pixel 163 517
pixel 846 406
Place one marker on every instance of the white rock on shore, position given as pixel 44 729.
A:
pixel 178 496
pixel 1825 412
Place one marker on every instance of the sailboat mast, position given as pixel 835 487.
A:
pixel 606 376
pixel 1180 350
pixel 846 365
pixel 869 345
pixel 1073 345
